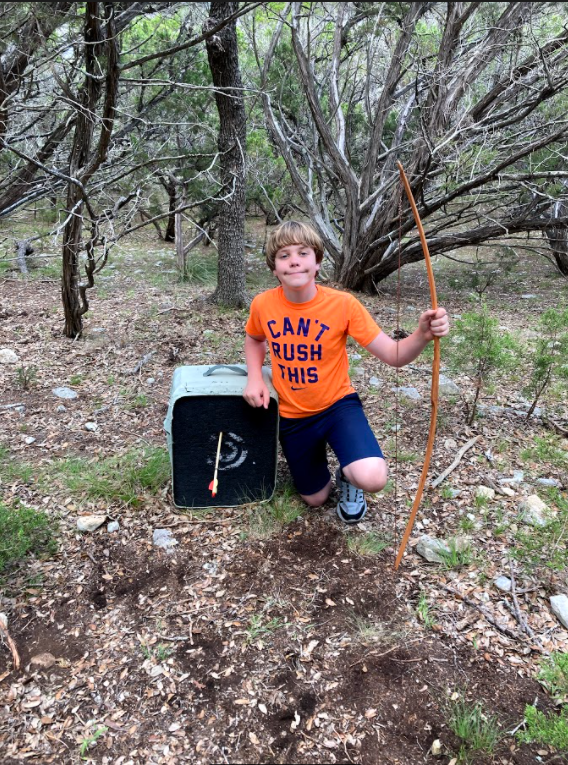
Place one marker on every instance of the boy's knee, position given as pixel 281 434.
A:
pixel 370 475
pixel 317 499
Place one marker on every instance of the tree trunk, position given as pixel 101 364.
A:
pixel 558 238
pixel 101 54
pixel 222 52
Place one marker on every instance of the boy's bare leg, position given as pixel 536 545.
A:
pixel 369 474
pixel 315 500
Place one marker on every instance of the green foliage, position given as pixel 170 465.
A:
pixel 284 507
pixel 26 377
pixel 457 556
pixel 258 628
pixel 554 674
pixel 545 546
pixel 479 732
pixel 12 469
pixel 118 478
pixel 24 531
pixel 159 652
pixel 550 730
pixel 423 610
pixel 368 544
pixel 91 739
pixel 546 449
pixel 479 350
pixel 549 359
pixel 200 269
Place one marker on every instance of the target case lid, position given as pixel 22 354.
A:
pixel 206 401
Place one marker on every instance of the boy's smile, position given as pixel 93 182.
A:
pixel 296 267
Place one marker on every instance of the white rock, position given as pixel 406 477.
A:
pixel 64 392
pixel 29 440
pixel 407 392
pixel 92 426
pixel 150 381
pixel 518 477
pixel 113 526
pixel 448 387
pixel 503 583
pixel 7 356
pixel 163 538
pixel 61 408
pixel 559 606
pixel 507 491
pixel 533 511
pixel 432 549
pixel 549 482
pixel 90 522
pixel 485 492
pixel 375 382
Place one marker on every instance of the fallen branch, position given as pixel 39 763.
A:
pixel 555 427
pixel 144 360
pixel 437 481
pixel 10 643
pixel 11 406
pixel 490 618
pixel 517 609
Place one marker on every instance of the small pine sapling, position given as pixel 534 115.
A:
pixel 550 357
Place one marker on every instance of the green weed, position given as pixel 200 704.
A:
pixel 478 732
pixel 284 507
pixel 13 470
pixel 24 531
pixel 123 477
pixel 423 610
pixel 547 448
pixel 368 544
pixel 88 741
pixel 257 628
pixel 550 730
pixel 554 674
pixel 457 556
pixel 26 377
pixel 200 269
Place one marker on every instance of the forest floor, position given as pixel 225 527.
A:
pixel 269 633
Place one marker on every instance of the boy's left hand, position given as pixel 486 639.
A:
pixel 434 323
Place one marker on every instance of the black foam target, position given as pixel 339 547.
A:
pixel 247 463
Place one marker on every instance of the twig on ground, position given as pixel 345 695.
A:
pixel 10 643
pixel 517 609
pixel 144 360
pixel 490 618
pixel 555 427
pixel 437 481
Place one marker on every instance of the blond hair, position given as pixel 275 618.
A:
pixel 292 232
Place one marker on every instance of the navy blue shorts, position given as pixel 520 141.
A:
pixel 304 440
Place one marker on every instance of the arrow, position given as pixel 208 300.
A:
pixel 214 482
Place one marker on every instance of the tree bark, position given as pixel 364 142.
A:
pixel 222 53
pixel 84 163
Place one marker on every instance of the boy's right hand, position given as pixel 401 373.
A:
pixel 257 394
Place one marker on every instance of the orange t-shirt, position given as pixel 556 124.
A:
pixel 307 345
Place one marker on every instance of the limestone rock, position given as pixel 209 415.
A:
pixel 432 549
pixel 559 606
pixel 448 387
pixel 91 426
pixel 64 392
pixel 533 511
pixel 7 356
pixel 90 522
pixel 485 492
pixel 163 538
pixel 408 392
pixel 503 583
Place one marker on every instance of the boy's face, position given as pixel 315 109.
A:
pixel 295 267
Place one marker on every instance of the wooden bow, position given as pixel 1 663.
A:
pixel 435 372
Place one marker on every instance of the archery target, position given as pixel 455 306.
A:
pixel 247 458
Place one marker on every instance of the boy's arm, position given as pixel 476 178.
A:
pixel 256 392
pixel 397 354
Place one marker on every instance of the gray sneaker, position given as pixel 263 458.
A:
pixel 352 505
